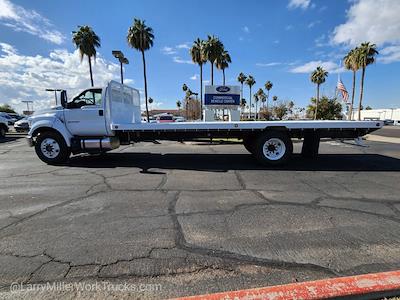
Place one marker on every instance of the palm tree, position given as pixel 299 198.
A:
pixel 242 104
pixel 268 85
pixel 198 57
pixel 223 62
pixel 179 104
pixel 250 81
pixel 184 87
pixel 318 77
pixel 140 37
pixel 365 56
pixel 241 78
pixel 351 63
pixel 212 50
pixel 260 96
pixel 86 40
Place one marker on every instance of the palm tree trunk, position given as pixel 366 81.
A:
pixel 361 93
pixel 267 104
pixel 352 96
pixel 145 86
pixel 201 91
pixel 316 103
pixel 212 73
pixel 90 70
pixel 256 111
pixel 223 76
pixel 250 103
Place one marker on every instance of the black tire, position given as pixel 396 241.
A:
pixel 52 148
pixel 2 131
pixel 273 148
pixel 249 144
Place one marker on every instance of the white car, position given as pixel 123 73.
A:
pixel 3 126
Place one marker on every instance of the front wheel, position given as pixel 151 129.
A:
pixel 273 148
pixel 51 148
pixel 2 132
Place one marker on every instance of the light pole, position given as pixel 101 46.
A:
pixel 122 60
pixel 55 92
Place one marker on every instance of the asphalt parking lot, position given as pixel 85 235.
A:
pixel 196 218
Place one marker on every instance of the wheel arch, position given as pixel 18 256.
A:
pixel 43 126
pixel 41 129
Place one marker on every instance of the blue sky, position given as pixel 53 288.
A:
pixel 280 41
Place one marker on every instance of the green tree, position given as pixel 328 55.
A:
pixel 368 108
pixel 212 50
pixel 141 37
pixel 198 57
pixel 365 56
pixel 250 81
pixel 318 77
pixel 280 110
pixel 328 109
pixel 351 63
pixel 86 40
pixel 184 87
pixel 7 109
pixel 222 63
pixel 268 86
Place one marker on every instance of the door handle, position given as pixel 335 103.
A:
pixel 101 113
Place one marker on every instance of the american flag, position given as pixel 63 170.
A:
pixel 342 89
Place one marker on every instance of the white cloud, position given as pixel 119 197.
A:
pixel 312 65
pixel 271 64
pixel 276 42
pixel 183 46
pixel 168 50
pixel 26 77
pixel 377 21
pixel 246 29
pixel 179 60
pixel 390 54
pixel 303 4
pixel 312 24
pixel 29 21
pixel 195 77
pixel 289 27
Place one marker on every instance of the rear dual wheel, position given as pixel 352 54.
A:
pixel 271 147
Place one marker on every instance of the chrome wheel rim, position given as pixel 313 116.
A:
pixel 274 149
pixel 50 148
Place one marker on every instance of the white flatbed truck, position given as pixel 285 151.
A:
pixel 102 119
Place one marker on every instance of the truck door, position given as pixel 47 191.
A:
pixel 84 115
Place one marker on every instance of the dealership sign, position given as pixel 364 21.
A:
pixel 222 95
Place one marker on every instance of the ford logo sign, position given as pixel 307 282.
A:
pixel 223 89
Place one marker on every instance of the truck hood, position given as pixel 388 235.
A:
pixel 47 110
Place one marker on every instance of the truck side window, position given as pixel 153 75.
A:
pixel 89 97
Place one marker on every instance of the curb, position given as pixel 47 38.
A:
pixel 361 285
pixel 380 138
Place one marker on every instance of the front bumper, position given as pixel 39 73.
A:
pixel 30 141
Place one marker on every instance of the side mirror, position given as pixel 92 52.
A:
pixel 64 98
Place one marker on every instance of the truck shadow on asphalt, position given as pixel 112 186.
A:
pixel 226 162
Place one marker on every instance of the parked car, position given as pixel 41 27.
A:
pixel 22 125
pixel 165 119
pixel 10 120
pixel 179 119
pixel 3 126
pixel 16 116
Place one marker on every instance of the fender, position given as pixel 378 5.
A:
pixel 51 122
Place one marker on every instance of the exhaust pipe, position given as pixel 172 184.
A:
pixel 103 144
